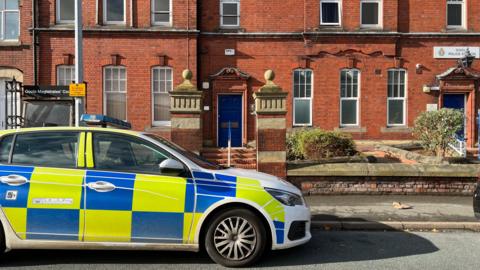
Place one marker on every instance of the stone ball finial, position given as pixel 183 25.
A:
pixel 269 75
pixel 187 74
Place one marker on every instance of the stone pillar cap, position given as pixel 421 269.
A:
pixel 270 86
pixel 186 85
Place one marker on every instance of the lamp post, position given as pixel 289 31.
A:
pixel 78 58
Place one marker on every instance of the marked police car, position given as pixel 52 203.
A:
pixel 103 188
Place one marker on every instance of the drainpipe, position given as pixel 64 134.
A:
pixel 188 34
pixel 34 41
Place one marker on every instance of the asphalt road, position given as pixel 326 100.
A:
pixel 327 250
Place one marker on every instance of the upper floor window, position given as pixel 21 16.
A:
pixel 229 13
pixel 115 92
pixel 456 15
pixel 161 85
pixel 302 97
pixel 161 12
pixel 330 12
pixel 349 93
pixel 9 20
pixel 396 97
pixel 65 75
pixel 371 13
pixel 65 11
pixel 114 11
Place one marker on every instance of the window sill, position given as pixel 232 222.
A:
pixel 353 129
pixel 232 29
pixel 396 129
pixel 456 29
pixel 10 43
pixel 158 128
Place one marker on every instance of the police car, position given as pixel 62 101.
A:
pixel 105 188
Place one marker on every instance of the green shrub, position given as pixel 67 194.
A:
pixel 294 151
pixel 436 129
pixel 315 144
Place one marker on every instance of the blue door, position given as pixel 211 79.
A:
pixel 455 101
pixel 230 117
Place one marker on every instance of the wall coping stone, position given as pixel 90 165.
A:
pixel 394 170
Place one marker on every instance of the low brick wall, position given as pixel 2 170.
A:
pixel 354 178
pixel 343 185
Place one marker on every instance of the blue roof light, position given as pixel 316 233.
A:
pixel 104 121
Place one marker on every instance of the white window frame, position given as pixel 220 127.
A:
pixel 339 2
pixel 404 98
pixel 105 21
pixel 303 98
pixel 159 123
pixel 72 70
pixel 357 98
pixel 2 17
pixel 170 15
pixel 221 13
pixel 380 14
pixel 464 14
pixel 105 92
pixel 58 17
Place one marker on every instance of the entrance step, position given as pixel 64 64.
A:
pixel 245 158
pixel 472 152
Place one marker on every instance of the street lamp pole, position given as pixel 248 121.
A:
pixel 78 58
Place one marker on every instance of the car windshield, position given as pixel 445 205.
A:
pixel 200 161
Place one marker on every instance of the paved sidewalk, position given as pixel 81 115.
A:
pixel 377 212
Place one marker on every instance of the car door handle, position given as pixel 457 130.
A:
pixel 101 186
pixel 13 180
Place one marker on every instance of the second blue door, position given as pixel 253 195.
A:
pixel 230 117
pixel 455 101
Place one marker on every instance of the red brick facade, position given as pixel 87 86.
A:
pixel 278 35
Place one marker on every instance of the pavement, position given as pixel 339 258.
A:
pixel 330 250
pixel 376 212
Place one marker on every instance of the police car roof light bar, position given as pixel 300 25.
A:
pixel 104 121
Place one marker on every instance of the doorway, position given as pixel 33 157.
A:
pixel 457 102
pixel 230 120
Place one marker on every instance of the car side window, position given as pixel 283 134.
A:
pixel 126 153
pixel 47 149
pixel 5 146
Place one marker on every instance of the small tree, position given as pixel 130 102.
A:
pixel 436 129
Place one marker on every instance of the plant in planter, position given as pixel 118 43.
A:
pixel 437 129
pixel 316 144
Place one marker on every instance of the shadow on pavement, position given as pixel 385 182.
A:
pixel 325 247
pixel 350 246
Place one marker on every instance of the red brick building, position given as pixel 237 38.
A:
pixel 366 67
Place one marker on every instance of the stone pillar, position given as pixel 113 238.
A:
pixel 186 114
pixel 270 108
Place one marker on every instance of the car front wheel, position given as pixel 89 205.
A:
pixel 236 238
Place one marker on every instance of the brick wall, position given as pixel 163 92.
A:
pixel 20 55
pixel 385 185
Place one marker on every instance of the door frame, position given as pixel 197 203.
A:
pixel 242 132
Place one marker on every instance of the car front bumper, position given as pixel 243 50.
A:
pixel 296 229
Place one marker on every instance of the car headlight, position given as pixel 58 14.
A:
pixel 285 197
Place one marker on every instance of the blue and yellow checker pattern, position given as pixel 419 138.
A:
pixel 56 204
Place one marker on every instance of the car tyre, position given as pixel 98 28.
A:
pixel 2 241
pixel 236 238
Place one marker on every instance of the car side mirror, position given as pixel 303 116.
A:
pixel 171 167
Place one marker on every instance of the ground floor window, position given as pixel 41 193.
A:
pixel 302 97
pixel 115 91
pixel 161 86
pixel 396 97
pixel 349 93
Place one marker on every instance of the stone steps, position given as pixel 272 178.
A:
pixel 245 158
